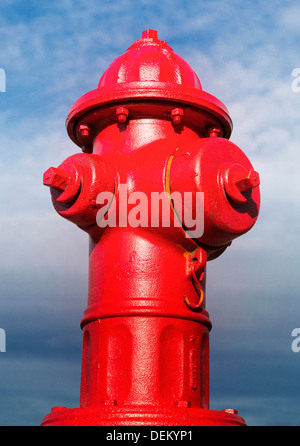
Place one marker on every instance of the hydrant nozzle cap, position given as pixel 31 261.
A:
pixel 148 71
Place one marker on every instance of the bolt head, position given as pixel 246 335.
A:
pixel 84 131
pixel 182 403
pixel 176 115
pixel 58 408
pixel 108 403
pixel 122 114
pixel 230 411
pixel 214 132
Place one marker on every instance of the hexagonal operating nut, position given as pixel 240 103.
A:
pixel 249 182
pixel 57 178
pixel 65 181
pixel 238 179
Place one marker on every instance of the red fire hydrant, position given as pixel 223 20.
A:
pixel 160 190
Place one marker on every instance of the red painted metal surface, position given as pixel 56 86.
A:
pixel 150 129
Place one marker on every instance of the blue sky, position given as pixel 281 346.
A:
pixel 244 54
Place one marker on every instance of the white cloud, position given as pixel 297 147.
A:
pixel 289 18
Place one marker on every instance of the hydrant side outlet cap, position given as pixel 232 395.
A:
pixel 148 70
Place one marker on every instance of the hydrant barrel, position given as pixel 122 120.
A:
pixel 161 191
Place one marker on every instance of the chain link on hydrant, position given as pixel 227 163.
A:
pixel 160 190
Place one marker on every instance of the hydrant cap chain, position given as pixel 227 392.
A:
pixel 148 70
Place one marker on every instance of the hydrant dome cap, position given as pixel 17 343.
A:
pixel 148 70
pixel 150 59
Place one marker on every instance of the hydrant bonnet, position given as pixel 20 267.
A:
pixel 151 71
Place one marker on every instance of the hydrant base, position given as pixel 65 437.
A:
pixel 141 416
